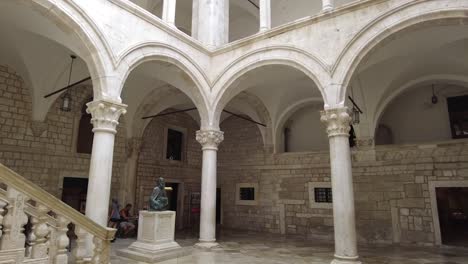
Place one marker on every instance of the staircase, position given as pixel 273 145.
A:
pixel 34 226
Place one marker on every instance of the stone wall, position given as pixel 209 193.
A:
pixel 153 164
pixel 392 195
pixel 45 151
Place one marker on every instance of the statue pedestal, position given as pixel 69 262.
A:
pixel 155 239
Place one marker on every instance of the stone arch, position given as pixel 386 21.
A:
pixel 286 114
pixel 72 29
pixel 225 85
pixel 386 100
pixel 194 87
pixel 99 63
pixel 406 16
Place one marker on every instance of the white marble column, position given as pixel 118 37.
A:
pixel 169 11
pixel 209 139
pixel 338 125
pixel 265 15
pixel 105 116
pixel 210 22
pixel 128 186
pixel 327 5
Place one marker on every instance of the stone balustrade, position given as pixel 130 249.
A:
pixel 34 226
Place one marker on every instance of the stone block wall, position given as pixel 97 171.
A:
pixel 391 184
pixel 153 164
pixel 45 151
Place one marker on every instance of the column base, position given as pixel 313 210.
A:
pixel 206 245
pixel 346 260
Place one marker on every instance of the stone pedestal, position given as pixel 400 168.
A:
pixel 155 239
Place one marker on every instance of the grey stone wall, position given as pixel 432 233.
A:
pixel 392 198
pixel 44 151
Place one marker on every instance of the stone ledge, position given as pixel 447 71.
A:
pixel 151 257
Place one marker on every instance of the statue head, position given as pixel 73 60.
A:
pixel 161 183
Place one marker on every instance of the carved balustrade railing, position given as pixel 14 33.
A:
pixel 34 227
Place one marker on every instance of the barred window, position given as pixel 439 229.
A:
pixel 323 195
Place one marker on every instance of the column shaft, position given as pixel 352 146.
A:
pixel 327 5
pixel 265 15
pixel 212 22
pixel 208 200
pixel 338 127
pixel 169 11
pixel 100 175
pixel 105 117
pixel 209 139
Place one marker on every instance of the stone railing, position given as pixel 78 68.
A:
pixel 34 226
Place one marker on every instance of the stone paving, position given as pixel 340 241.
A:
pixel 242 247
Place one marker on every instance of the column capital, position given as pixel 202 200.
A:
pixel 337 121
pixel 209 139
pixel 133 146
pixel 105 115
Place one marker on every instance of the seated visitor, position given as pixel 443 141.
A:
pixel 114 218
pixel 126 219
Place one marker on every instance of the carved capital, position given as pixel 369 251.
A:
pixel 105 115
pixel 210 139
pixel 38 128
pixel 133 146
pixel 337 121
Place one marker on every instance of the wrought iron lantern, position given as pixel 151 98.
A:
pixel 66 97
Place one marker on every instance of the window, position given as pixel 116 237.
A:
pixel 174 144
pixel 458 113
pixel 323 195
pixel 320 195
pixel 247 194
pixel 85 132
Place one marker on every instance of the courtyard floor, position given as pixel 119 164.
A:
pixel 242 247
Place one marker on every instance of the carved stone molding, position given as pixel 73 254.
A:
pixel 337 120
pixel 364 142
pixel 38 128
pixel 209 139
pixel 133 146
pixel 105 115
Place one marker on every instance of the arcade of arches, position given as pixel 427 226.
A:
pixel 247 114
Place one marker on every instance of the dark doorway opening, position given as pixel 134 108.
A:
pixel 74 193
pixel 452 205
pixel 171 191
pixel 218 206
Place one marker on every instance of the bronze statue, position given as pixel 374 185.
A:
pixel 158 200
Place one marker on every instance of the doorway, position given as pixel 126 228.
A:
pixel 218 206
pixel 172 190
pixel 74 192
pixel 452 205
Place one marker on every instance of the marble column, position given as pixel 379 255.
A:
pixel 338 126
pixel 169 11
pixel 210 22
pixel 105 116
pixel 128 186
pixel 265 15
pixel 209 139
pixel 327 5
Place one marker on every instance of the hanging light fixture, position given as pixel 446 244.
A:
pixel 66 97
pixel 356 116
pixel 434 98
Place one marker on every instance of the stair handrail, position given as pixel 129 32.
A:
pixel 31 190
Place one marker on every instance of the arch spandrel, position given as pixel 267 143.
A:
pixel 190 78
pixel 226 86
